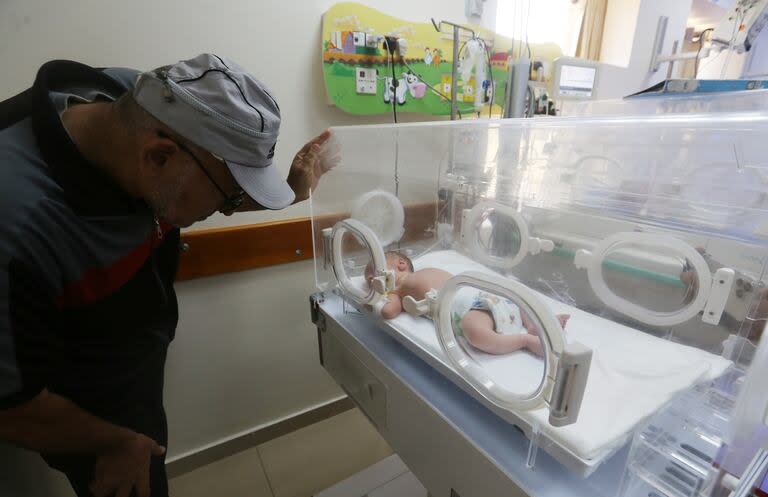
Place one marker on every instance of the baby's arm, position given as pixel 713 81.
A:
pixel 393 307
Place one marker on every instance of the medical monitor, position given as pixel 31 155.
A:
pixel 574 79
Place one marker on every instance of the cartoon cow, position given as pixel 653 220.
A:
pixel 402 88
pixel 415 87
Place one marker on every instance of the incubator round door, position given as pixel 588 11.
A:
pixel 357 259
pixel 660 279
pixel 499 337
pixel 655 279
pixel 383 213
pixel 498 235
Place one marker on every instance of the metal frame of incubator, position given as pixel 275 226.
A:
pixel 454 445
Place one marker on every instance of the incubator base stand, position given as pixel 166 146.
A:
pixel 532 442
pixel 451 442
pixel 675 452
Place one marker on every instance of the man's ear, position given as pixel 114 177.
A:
pixel 156 153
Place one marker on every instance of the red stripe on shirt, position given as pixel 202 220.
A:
pixel 98 283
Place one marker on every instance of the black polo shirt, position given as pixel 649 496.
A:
pixel 87 305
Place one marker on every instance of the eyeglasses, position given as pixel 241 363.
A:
pixel 231 202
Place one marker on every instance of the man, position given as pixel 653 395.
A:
pixel 98 169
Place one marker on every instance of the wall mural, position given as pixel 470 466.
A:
pixel 357 67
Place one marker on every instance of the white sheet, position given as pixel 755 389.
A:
pixel 632 375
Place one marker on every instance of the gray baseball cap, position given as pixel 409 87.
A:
pixel 219 106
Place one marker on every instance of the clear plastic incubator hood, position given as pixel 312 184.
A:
pixel 633 251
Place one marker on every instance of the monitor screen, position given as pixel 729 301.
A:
pixel 577 81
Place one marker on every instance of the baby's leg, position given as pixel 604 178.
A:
pixel 533 330
pixel 528 324
pixel 478 328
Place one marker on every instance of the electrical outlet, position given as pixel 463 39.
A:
pixel 371 41
pixel 365 80
pixel 359 38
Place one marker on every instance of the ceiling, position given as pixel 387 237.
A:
pixel 707 13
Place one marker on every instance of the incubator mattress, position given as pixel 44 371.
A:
pixel 633 374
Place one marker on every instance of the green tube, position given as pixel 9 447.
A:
pixel 627 268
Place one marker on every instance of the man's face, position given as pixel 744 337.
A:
pixel 176 184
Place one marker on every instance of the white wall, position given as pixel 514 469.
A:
pixel 245 352
pixel 245 355
pixel 617 82
pixel 619 32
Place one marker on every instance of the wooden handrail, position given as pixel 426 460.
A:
pixel 225 250
pixel 215 251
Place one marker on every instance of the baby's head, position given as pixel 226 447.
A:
pixel 396 261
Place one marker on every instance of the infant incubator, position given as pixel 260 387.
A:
pixel 649 232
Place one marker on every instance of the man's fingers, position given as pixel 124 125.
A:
pixel 330 156
pixel 312 159
pixel 314 151
pixel 158 450
pixel 322 137
pixel 319 140
pixel 327 155
pixel 329 164
pixel 304 149
pixel 330 149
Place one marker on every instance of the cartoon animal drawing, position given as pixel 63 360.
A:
pixel 402 88
pixel 415 87
pixel 427 56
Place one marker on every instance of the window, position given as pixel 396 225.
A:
pixel 542 21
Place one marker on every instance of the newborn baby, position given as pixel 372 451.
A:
pixel 480 324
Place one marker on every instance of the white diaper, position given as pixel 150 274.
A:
pixel 505 313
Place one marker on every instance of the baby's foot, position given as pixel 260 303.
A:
pixel 533 343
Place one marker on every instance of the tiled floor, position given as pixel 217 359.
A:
pixel 238 475
pixel 389 477
pixel 298 464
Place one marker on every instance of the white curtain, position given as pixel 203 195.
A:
pixel 591 33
